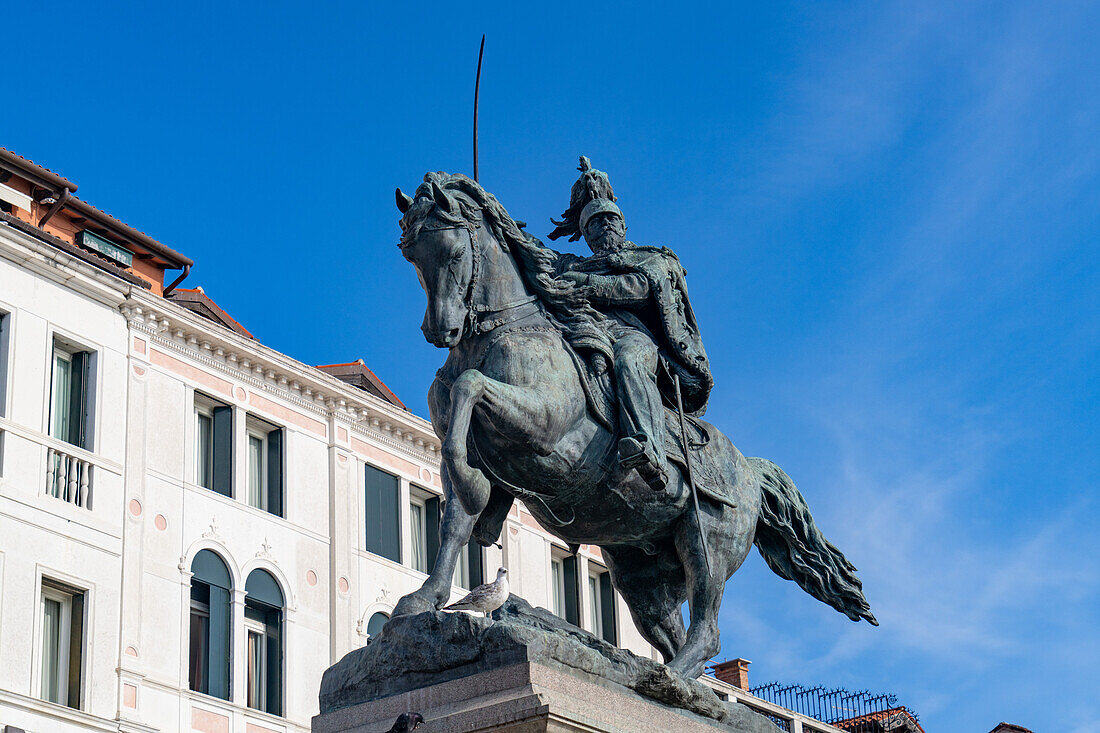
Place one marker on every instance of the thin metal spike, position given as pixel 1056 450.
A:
pixel 477 91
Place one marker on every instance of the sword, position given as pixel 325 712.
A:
pixel 690 478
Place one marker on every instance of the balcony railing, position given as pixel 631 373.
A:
pixel 785 719
pixel 69 478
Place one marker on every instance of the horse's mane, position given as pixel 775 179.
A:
pixel 582 326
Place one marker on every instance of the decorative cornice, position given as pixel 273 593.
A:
pixel 249 362
pixel 61 267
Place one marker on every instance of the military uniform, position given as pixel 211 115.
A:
pixel 654 336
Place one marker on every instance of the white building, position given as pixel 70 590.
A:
pixel 193 526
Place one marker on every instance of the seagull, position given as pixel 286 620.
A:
pixel 406 722
pixel 486 598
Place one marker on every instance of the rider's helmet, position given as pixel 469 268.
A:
pixel 591 186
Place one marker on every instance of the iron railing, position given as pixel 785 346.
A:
pixel 856 712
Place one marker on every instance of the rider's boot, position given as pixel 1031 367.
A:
pixel 637 452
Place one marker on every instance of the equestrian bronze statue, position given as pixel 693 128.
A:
pixel 575 384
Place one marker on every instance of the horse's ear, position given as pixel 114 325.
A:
pixel 403 201
pixel 442 200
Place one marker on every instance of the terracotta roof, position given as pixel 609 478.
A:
pixel 45 176
pixel 1009 728
pixel 358 375
pixel 893 715
pixel 173 257
pixel 197 301
pixel 29 166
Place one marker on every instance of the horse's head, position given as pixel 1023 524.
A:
pixel 439 238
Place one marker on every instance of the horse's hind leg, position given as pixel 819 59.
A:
pixel 704 590
pixel 654 591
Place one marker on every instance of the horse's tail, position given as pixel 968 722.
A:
pixel 795 549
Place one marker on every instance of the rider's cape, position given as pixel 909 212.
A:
pixel 671 321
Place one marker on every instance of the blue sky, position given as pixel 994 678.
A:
pixel 889 213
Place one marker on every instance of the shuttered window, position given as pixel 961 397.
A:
pixel 418 556
pixel 209 638
pixel 265 466
pixel 572 592
pixel 383 522
pixel 62 644
pixel 601 598
pixel 5 331
pixel 213 445
pixel 70 394
pixel 470 569
pixel 263 615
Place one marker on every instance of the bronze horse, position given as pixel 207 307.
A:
pixel 517 420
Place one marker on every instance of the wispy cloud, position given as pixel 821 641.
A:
pixel 924 409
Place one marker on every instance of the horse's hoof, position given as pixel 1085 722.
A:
pixel 413 604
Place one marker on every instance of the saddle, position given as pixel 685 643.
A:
pixel 603 404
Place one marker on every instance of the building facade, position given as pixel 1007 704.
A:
pixel 194 526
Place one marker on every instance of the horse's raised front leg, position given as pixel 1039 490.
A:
pixel 525 414
pixel 455 529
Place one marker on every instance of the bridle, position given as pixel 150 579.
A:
pixel 475 322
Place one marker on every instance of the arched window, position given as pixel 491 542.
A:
pixel 209 647
pixel 263 621
pixel 375 624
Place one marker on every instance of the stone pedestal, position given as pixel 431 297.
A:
pixel 523 671
pixel 526 698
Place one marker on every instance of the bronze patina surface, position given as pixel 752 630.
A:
pixel 559 390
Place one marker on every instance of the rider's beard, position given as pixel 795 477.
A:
pixel 607 242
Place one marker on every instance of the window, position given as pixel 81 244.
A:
pixel 374 626
pixel 209 647
pixel 71 394
pixel 563 587
pixel 470 568
pixel 601 606
pixel 557 587
pixel 265 466
pixel 5 328
pixel 419 558
pixel 462 569
pixel 424 511
pixel 382 520
pixel 62 643
pixel 594 605
pixel 263 619
pixel 213 445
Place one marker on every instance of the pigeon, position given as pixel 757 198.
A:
pixel 406 723
pixel 486 598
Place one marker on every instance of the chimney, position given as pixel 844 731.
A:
pixel 734 672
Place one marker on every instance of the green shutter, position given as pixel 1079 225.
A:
pixel 431 531
pixel 76 646
pixel 78 409
pixel 223 451
pixel 476 555
pixel 275 472
pixel 572 604
pixel 607 609
pixel 383 518
pixel 218 651
pixel 274 662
